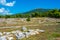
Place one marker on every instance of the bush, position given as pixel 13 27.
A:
pixel 28 19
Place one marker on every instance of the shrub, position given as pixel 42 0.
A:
pixel 28 19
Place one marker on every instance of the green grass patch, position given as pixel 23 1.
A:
pixel 56 34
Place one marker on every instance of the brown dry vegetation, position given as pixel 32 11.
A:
pixel 50 25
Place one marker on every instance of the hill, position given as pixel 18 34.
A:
pixel 40 10
pixel 54 13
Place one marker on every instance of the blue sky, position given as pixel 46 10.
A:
pixel 19 6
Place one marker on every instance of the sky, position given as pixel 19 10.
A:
pixel 20 6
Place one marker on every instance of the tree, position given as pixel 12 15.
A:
pixel 54 13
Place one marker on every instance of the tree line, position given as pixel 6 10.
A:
pixel 50 13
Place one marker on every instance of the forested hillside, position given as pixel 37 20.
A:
pixel 55 13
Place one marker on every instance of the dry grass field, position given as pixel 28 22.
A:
pixel 50 25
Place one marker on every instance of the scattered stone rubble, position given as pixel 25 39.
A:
pixel 19 34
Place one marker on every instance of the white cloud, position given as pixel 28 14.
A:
pixel 3 11
pixel 10 4
pixel 4 2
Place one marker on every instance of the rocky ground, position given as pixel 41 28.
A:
pixel 50 25
pixel 18 35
